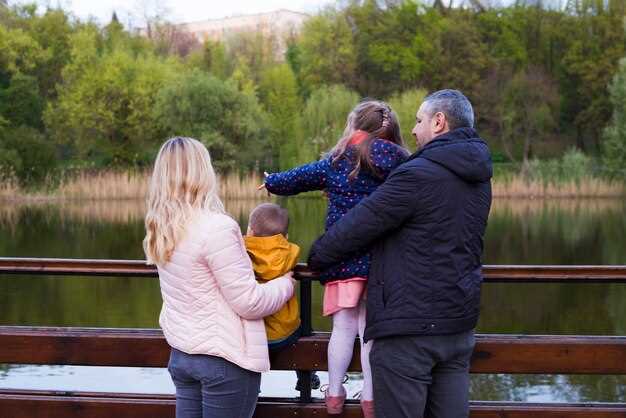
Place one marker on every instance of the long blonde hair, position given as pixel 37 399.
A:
pixel 183 183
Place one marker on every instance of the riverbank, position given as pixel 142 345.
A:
pixel 120 185
pixel 117 185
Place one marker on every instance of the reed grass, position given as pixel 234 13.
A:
pixel 104 185
pixel 590 187
pixel 235 186
pixel 123 211
pixel 134 210
pixel 110 211
pixel 121 185
pixel 522 207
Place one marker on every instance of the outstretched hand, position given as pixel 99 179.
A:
pixel 262 186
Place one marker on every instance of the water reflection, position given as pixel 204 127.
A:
pixel 553 308
pixel 519 232
pixel 556 232
pixel 548 388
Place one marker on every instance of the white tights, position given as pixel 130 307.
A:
pixel 347 323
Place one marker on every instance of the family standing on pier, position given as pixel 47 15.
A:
pixel 400 261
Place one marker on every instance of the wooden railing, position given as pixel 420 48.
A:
pixel 527 354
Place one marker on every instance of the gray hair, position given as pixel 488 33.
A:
pixel 454 105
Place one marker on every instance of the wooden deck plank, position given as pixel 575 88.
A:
pixel 50 404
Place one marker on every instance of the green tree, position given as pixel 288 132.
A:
pixel 52 31
pixel 500 30
pixel 324 118
pixel 388 46
pixel 230 123
pixel 19 52
pixel 26 154
pixel 279 94
pixel 293 56
pixel 327 51
pixel 212 58
pixel 106 99
pixel 521 39
pixel 405 105
pixel 597 32
pixel 256 51
pixel 217 61
pixel 27 65
pixel 21 102
pixel 243 78
pixel 456 56
pixel 614 149
pixel 530 105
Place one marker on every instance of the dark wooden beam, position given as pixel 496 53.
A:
pixel 148 348
pixel 139 268
pixel 549 354
pixel 555 274
pixel 83 346
pixel 76 267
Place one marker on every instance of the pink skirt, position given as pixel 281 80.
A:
pixel 340 294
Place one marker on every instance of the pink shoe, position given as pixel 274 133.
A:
pixel 368 409
pixel 334 404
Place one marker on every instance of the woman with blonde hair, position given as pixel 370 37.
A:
pixel 212 305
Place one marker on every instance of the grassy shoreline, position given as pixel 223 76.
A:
pixel 118 185
pixel 121 185
pixel 133 210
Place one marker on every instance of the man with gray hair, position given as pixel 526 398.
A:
pixel 424 226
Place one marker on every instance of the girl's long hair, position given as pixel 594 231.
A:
pixel 183 183
pixel 377 119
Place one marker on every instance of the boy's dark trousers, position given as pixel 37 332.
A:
pixel 422 376
pixel 293 338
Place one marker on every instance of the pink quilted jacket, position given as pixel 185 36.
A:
pixel 212 303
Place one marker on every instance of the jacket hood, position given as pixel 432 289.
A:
pixel 271 256
pixel 461 151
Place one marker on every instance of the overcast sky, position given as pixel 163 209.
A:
pixel 177 10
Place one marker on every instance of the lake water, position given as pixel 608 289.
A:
pixel 519 232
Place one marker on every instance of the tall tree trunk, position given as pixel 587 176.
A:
pixel 506 146
pixel 526 156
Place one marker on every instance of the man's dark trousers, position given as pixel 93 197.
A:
pixel 419 376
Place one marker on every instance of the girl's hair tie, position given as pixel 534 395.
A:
pixel 385 122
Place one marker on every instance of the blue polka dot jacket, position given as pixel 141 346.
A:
pixel 343 193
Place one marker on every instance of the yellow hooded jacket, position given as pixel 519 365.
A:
pixel 271 258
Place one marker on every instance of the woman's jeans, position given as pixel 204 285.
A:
pixel 212 387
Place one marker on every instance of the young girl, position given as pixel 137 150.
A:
pixel 369 149
pixel 213 307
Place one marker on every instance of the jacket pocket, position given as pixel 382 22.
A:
pixel 394 290
pixel 469 286
pixel 394 280
pixel 377 278
pixel 375 292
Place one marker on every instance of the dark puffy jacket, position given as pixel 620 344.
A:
pixel 425 226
